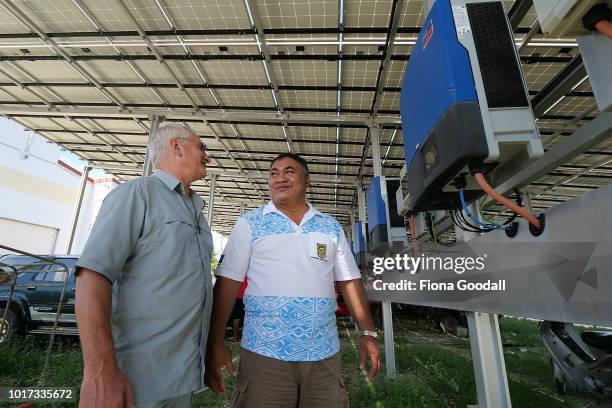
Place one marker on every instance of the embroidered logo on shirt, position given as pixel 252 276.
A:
pixel 321 251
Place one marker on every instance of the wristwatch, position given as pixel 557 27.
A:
pixel 369 333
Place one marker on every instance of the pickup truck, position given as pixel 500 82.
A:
pixel 36 294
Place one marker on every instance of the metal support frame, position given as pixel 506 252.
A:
pixel 267 62
pixel 98 26
pixel 533 30
pixel 488 359
pixel 389 340
pixel 362 212
pixel 77 208
pixel 518 11
pixel 383 71
pixel 274 118
pixel 23 19
pixel 386 306
pixel 485 342
pixel 579 142
pixel 147 169
pixel 376 160
pixel 211 199
pixel 562 83
pixel 242 172
pixel 352 226
pixel 126 10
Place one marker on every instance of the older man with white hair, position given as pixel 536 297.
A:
pixel 144 290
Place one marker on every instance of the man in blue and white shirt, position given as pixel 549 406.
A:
pixel 292 256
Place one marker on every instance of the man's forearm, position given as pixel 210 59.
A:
pixel 224 298
pixel 93 315
pixel 357 303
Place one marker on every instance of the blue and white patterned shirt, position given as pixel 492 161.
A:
pixel 290 302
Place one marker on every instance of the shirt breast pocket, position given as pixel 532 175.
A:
pixel 175 232
pixel 321 248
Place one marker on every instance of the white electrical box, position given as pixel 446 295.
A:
pixel 563 18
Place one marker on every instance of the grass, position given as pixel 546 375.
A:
pixel 433 370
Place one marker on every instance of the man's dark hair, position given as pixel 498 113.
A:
pixel 293 156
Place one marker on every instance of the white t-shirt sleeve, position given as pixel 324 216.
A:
pixel 234 261
pixel 345 267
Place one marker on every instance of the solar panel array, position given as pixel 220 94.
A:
pixel 253 78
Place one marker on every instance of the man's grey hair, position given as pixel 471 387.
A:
pixel 159 142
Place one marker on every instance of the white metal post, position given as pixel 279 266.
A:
pixel 389 341
pixel 362 213
pixel 375 141
pixel 147 168
pixel 488 359
pixel 211 198
pixel 487 352
pixel 527 201
pixel 386 306
pixel 352 226
pixel 77 208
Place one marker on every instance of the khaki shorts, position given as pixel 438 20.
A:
pixel 269 383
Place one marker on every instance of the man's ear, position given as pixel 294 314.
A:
pixel 175 147
pixel 307 181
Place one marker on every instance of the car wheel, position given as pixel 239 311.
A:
pixel 9 328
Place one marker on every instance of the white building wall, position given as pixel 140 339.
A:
pixel 35 189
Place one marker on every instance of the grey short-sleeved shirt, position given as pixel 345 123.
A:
pixel 154 245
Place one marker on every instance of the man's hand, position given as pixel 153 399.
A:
pixel 105 387
pixel 369 351
pixel 218 357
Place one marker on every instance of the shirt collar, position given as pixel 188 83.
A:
pixel 175 185
pixel 270 207
pixel 169 180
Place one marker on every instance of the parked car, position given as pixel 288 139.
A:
pixel 36 295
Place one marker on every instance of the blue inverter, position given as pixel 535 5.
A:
pixel 463 103
pixel 385 228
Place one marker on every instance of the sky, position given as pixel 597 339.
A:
pixel 76 162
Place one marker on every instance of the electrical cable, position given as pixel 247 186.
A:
pixel 415 245
pixel 519 202
pixel 455 218
pixel 431 226
pixel 480 179
pixel 473 218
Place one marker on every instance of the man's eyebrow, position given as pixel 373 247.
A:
pixel 284 168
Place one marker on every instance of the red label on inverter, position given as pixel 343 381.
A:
pixel 428 35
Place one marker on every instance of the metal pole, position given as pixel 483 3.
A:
pixel 527 201
pixel 376 165
pixel 147 168
pixel 488 359
pixel 362 213
pixel 211 198
pixel 352 224
pixel 389 342
pixel 386 306
pixel 487 352
pixel 77 208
